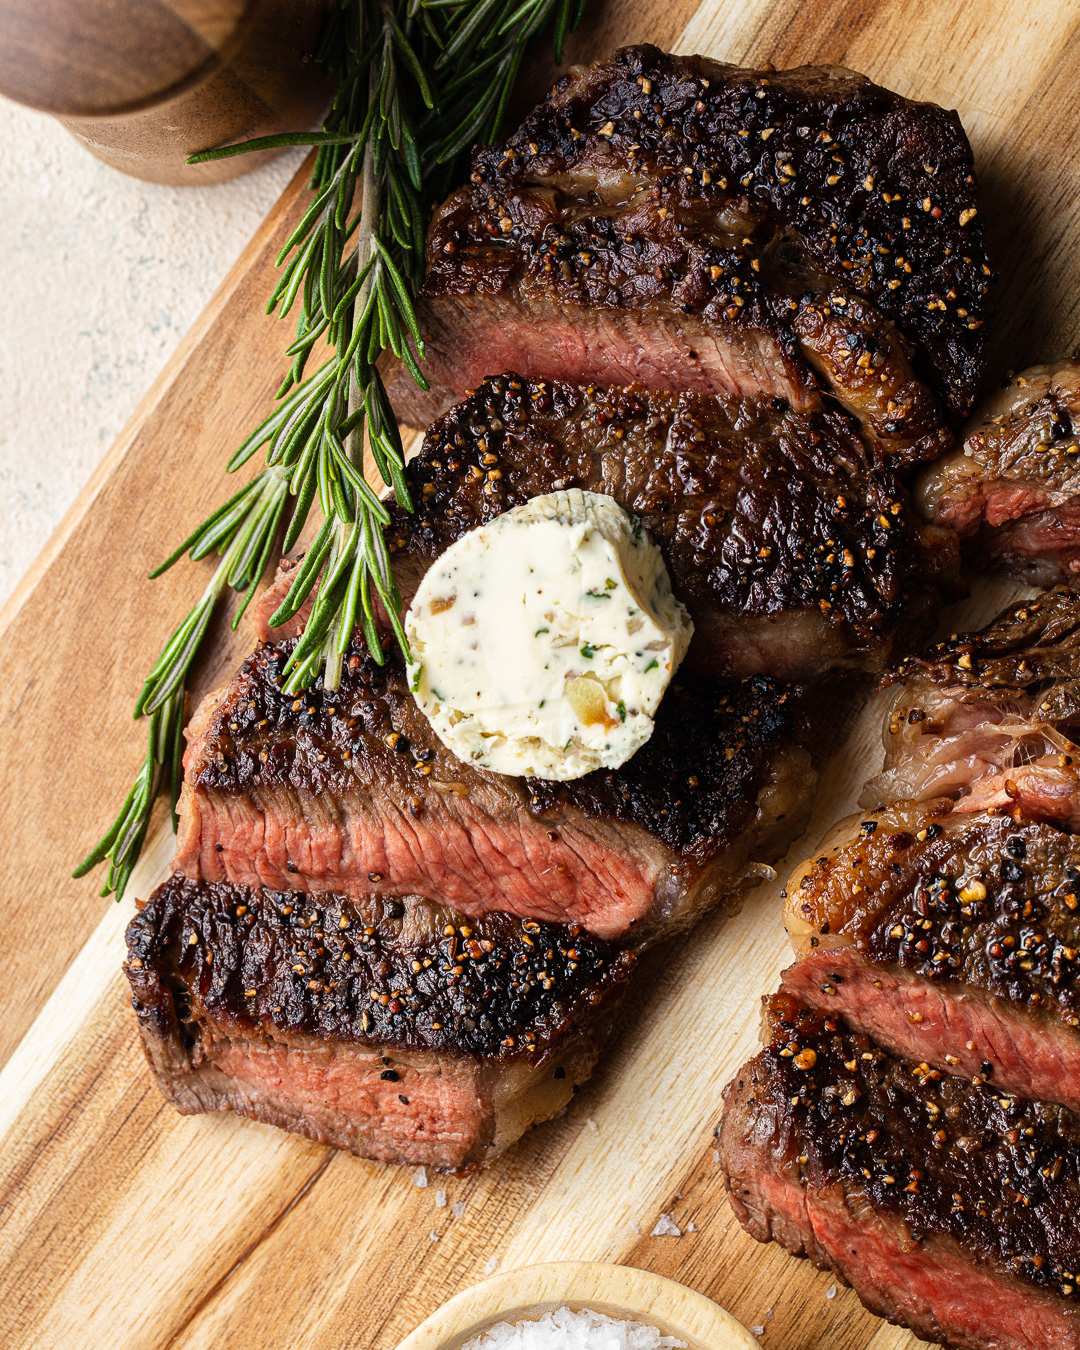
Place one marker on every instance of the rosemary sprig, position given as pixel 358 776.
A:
pixel 419 82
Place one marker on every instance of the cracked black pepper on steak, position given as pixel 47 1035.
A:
pixel 384 1025
pixel 376 970
pixel 948 937
pixel 950 1207
pixel 352 790
pixel 702 227
pixel 796 555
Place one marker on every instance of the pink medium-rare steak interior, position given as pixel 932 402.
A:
pixel 472 336
pixel 604 878
pixel 695 226
pixel 935 1291
pixel 393 1028
pixel 911 1185
pixel 950 938
pixel 431 1113
pixel 1012 487
pixel 352 791
pixel 950 1026
pixel 988 718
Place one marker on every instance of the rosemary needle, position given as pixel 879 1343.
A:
pixel 420 81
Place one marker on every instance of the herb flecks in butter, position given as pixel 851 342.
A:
pixel 517 666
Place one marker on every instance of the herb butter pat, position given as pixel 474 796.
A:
pixel 542 642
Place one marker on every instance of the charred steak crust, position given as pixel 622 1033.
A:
pixel 952 1161
pixel 991 719
pixel 698 776
pixel 1012 488
pixel 758 510
pixel 829 171
pixel 345 970
pixel 1030 648
pixel 693 785
pixel 977 901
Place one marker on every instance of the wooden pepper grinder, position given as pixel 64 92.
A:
pixel 145 83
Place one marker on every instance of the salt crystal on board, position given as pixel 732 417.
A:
pixel 666 1227
pixel 440 1199
pixel 420 1177
pixel 457 1209
pixel 831 1291
pixel 490 1264
pixel 757 1330
pixel 562 1329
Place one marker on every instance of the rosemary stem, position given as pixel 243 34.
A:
pixel 419 82
pixel 336 639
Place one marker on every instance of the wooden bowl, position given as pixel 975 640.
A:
pixel 618 1291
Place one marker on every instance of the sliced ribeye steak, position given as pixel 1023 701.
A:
pixel 950 939
pixel 991 719
pixel 949 1207
pixel 390 1027
pixel 793 553
pixel 351 791
pixel 1012 487
pixel 694 226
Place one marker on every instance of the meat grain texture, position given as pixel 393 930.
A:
pixel 796 554
pixel 990 719
pixel 688 225
pixel 949 1207
pixel 352 791
pixel 1011 489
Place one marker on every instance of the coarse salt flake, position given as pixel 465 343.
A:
pixel 666 1227
pixel 563 1329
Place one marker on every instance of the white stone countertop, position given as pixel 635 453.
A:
pixel 102 276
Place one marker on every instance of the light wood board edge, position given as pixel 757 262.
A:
pixel 618 1291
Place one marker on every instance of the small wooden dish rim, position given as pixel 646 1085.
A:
pixel 622 1291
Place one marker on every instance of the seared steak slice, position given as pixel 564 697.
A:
pixel 991 718
pixel 950 1208
pixel 393 1028
pixel 950 939
pixel 352 791
pixel 690 225
pixel 795 556
pixel 1013 487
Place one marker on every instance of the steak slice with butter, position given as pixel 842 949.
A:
pixel 391 1027
pixel 796 555
pixel 352 792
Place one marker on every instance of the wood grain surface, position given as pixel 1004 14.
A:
pixel 124 1225
pixel 618 1291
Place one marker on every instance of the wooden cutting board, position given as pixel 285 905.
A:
pixel 124 1225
